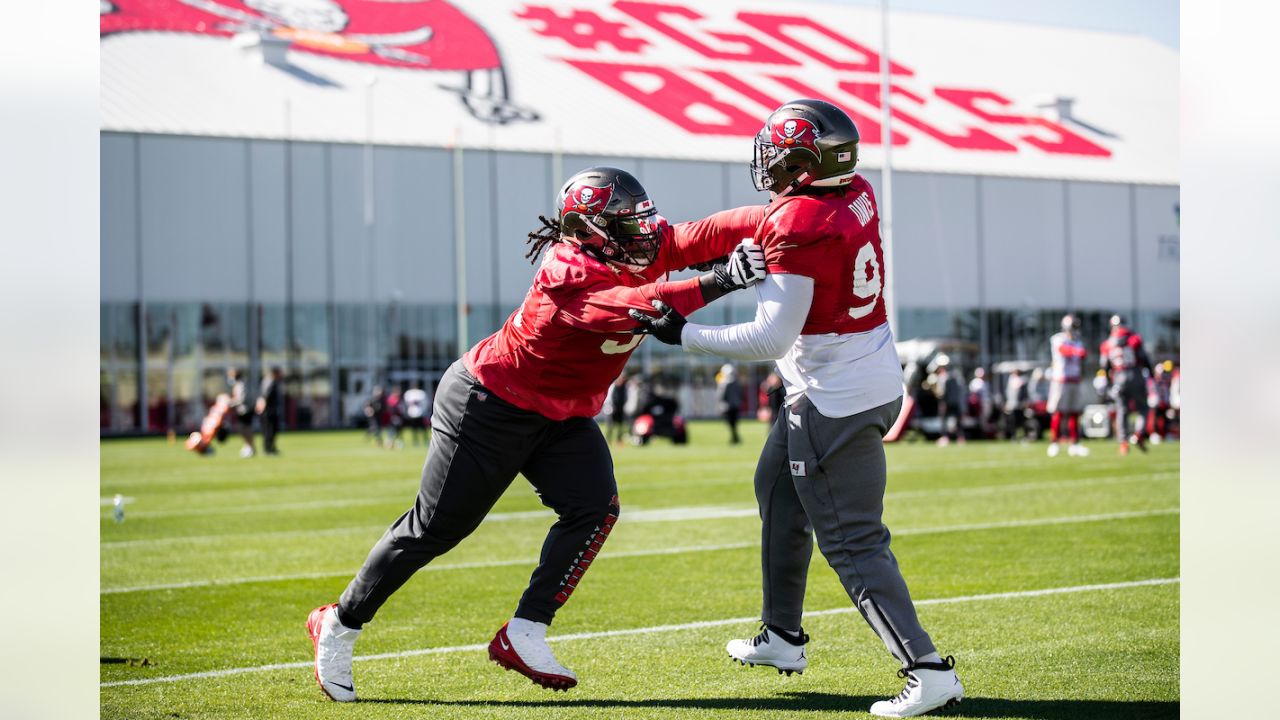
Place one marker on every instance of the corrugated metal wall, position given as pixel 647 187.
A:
pixel 216 251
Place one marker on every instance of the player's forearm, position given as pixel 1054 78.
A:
pixel 686 296
pixel 782 306
pixel 713 237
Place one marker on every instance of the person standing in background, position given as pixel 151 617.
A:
pixel 949 390
pixel 1125 360
pixel 373 409
pixel 729 395
pixel 980 398
pixel 772 393
pixel 1065 395
pixel 617 402
pixel 1015 402
pixel 1159 388
pixel 268 408
pixel 637 392
pixel 395 419
pixel 415 411
pixel 239 405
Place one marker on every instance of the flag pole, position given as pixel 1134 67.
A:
pixel 886 173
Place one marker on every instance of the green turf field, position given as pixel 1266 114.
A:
pixel 220 560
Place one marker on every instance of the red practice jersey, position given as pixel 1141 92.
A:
pixel 833 238
pixel 1123 350
pixel 559 351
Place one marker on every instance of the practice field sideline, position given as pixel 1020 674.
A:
pixel 1054 582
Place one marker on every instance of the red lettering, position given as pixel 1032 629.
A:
pixel 747 49
pixel 1065 142
pixel 751 92
pixel 868 127
pixel 662 91
pixel 583 29
pixel 781 27
pixel 968 139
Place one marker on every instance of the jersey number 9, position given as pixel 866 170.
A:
pixel 867 281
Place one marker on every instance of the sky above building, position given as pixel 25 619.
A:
pixel 1156 19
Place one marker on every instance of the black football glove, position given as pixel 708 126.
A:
pixel 667 326
pixel 710 264
pixel 744 268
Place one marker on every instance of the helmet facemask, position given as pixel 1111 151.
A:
pixel 637 237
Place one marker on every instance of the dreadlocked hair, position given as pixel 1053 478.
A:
pixel 542 237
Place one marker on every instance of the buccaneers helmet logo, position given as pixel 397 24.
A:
pixel 587 199
pixel 795 132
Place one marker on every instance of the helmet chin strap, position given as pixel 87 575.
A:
pixel 593 252
pixel 800 181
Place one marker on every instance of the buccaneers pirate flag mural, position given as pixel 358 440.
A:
pixel 642 79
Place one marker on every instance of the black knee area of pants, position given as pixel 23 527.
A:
pixel 595 511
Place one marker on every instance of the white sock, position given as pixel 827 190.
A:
pixel 932 657
pixel 527 627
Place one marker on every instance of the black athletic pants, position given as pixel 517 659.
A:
pixel 270 427
pixel 479 443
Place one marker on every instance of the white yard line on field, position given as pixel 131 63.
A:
pixel 1019 487
pixel 644 631
pixel 401 498
pixel 443 566
pixel 693 512
pixel 1032 522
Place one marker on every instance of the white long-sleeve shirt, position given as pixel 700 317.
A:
pixel 841 374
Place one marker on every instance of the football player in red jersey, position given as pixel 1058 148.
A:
pixel 523 401
pixel 821 315
pixel 1124 360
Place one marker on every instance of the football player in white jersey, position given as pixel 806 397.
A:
pixel 822 472
pixel 1066 399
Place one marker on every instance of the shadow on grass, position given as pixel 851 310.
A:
pixel 812 702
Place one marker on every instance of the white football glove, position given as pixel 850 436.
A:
pixel 746 264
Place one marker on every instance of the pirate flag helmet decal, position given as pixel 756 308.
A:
pixel 805 142
pixel 606 212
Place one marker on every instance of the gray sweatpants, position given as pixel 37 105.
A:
pixel 826 476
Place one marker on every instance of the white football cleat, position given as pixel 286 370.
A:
pixel 1077 450
pixel 772 649
pixel 1054 449
pixel 930 686
pixel 334 644
pixel 521 645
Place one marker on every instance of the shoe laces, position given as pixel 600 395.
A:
pixel 913 681
pixel 763 637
